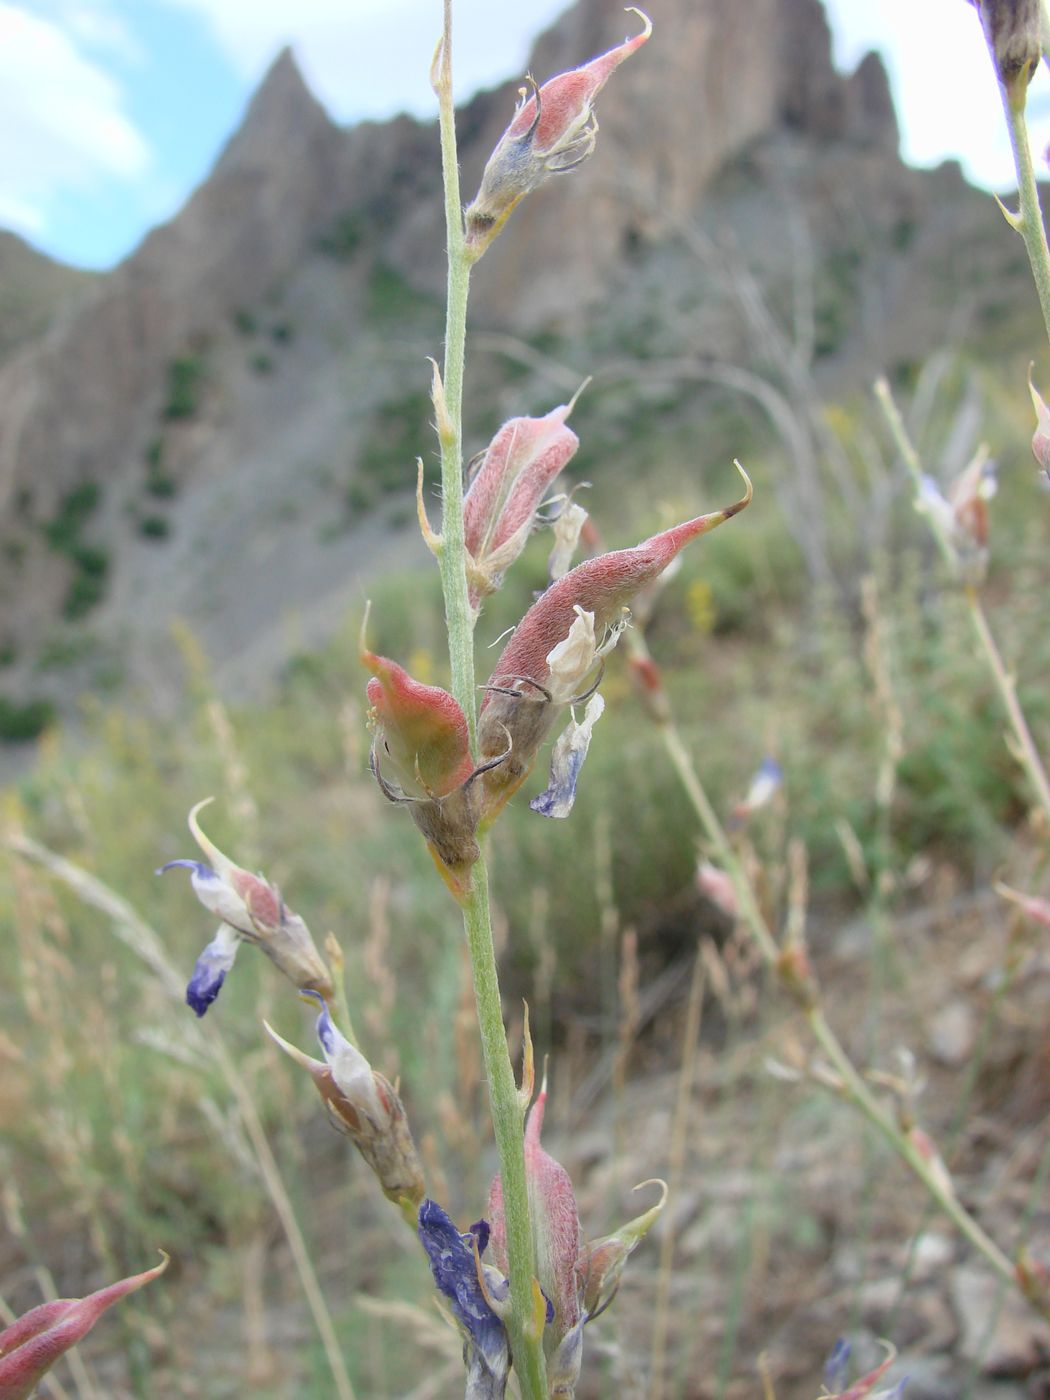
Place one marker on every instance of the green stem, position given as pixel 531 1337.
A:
pixel 507 1117
pixel 1028 221
pixel 1005 684
pixel 855 1089
pixel 687 776
pixel 459 615
pixel 1007 687
pixel 507 1113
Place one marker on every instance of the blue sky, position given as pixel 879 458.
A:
pixel 111 111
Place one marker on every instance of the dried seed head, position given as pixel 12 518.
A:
pixel 364 1105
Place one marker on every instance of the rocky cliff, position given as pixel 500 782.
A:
pixel 188 440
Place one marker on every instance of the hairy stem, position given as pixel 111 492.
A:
pixel 459 615
pixel 1028 221
pixel 507 1113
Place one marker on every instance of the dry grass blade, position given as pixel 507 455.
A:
pixel 145 942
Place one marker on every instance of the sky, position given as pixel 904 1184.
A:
pixel 112 111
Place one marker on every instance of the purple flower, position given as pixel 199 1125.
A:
pixel 566 762
pixel 252 910
pixel 456 1274
pixel 210 969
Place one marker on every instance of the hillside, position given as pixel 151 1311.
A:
pixel 225 429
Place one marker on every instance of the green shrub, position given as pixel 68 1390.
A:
pixel 282 333
pixel 91 559
pixel 360 498
pixel 185 378
pixel 261 364
pixel 85 592
pixel 390 298
pixel 63 530
pixel 244 321
pixel 343 239
pixel 154 453
pixel 22 722
pixel 154 527
pixel 161 485
pixel 400 434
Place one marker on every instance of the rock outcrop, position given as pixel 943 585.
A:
pixel 720 82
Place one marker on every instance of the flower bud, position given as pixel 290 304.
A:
pixel 421 730
pixel 34 1342
pixel 499 508
pixel 718 888
pixel 1036 908
pixel 604 1260
pixel 554 648
pixel 251 910
pixel 836 1370
pixel 557 1238
pixel 764 786
pixel 962 518
pixel 363 1104
pixel 553 131
pixel 1041 437
pixel 421 756
pixel 1013 30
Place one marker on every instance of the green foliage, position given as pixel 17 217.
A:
pixel 91 559
pixel 63 530
pixel 154 527
pixel 392 300
pixel 244 321
pixel 62 649
pixel 400 433
pixel 22 721
pixel 282 332
pixel 161 485
pixel 85 591
pixel 186 376
pixel 262 363
pixel 343 239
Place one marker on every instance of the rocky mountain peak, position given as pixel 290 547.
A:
pixel 282 113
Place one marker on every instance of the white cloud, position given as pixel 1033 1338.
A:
pixel 946 93
pixel 373 56
pixel 61 122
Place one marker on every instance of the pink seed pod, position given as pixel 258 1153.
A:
pixel 421 756
pixel 521 705
pixel 499 509
pixel 555 1225
pixel 34 1342
pixel 552 132
pixel 602 586
pixel 421 730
